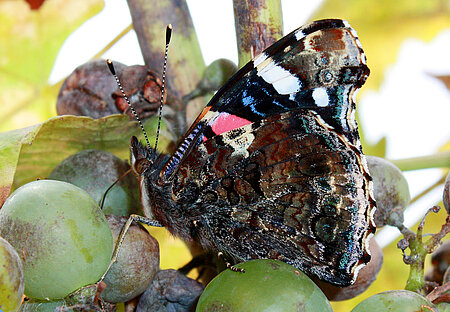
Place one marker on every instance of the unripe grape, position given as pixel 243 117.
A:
pixel 395 300
pixel 11 277
pixel 391 191
pixel 266 285
pixel 94 171
pixel 216 74
pixel 41 306
pixel 62 237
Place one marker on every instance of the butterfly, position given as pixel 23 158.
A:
pixel 273 166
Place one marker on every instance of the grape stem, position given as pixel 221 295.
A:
pixel 419 250
pixel 440 294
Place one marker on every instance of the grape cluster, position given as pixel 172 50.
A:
pixel 57 240
pixel 66 243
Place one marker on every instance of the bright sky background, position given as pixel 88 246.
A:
pixel 411 107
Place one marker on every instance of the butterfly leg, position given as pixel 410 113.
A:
pixel 123 232
pixel 228 264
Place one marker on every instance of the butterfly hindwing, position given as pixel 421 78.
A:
pixel 286 188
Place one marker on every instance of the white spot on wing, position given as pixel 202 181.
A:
pixel 202 149
pixel 355 93
pixel 268 66
pixel 352 120
pixel 287 85
pixel 299 35
pixel 358 43
pixel 259 59
pixel 210 117
pixel 240 144
pixel 320 97
pixel 281 79
pixel 352 31
pixel 363 58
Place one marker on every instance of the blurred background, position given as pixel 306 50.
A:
pixel 403 110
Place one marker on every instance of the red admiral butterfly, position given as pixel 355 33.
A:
pixel 273 166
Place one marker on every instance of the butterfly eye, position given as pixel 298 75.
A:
pixel 141 164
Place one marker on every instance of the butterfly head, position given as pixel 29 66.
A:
pixel 147 164
pixel 142 158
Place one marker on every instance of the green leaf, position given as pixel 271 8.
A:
pixel 29 43
pixel 10 145
pixel 31 153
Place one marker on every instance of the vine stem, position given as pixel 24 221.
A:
pixel 258 25
pixel 438 160
pixel 186 65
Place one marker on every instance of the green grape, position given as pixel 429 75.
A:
pixel 443 306
pixel 266 285
pixel 217 73
pixel 94 171
pixel 63 237
pixel 395 301
pixel 391 191
pixel 11 278
pixel 41 306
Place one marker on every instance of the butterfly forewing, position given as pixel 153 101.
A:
pixel 319 66
pixel 273 166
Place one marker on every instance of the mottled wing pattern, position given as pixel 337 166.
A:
pixel 289 189
pixel 273 167
pixel 319 66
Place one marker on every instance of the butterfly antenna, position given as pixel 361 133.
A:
pixel 168 35
pixel 113 72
